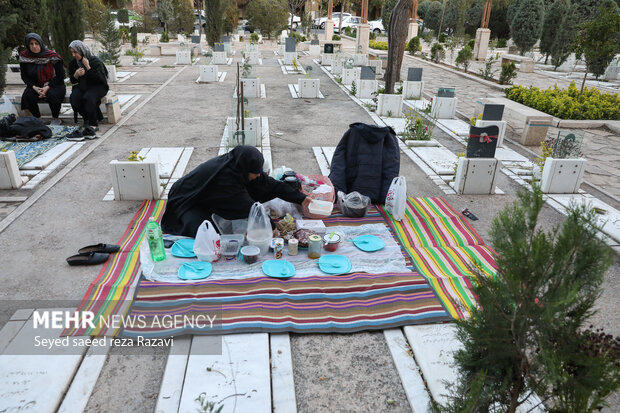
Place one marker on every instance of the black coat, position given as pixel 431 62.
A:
pixel 221 186
pixel 96 76
pixel 366 160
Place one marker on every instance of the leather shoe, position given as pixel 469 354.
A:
pixel 104 248
pixel 89 258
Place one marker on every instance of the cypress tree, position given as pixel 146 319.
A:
pixel 530 332
pixel 110 39
pixel 30 18
pixel 66 25
pixel 554 20
pixel 564 43
pixel 5 52
pixel 214 18
pixel 526 24
pixel 589 9
pixel 386 11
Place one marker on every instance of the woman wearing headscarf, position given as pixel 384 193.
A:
pixel 43 73
pixel 227 186
pixel 90 83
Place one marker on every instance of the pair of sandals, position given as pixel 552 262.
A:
pixel 93 254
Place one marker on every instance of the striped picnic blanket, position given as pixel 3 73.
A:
pixel 444 248
pixel 112 292
pixel 321 303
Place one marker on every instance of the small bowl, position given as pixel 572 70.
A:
pixel 250 254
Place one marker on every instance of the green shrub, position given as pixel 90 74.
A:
pixel 336 37
pixel 568 104
pixel 501 42
pixel 442 38
pixel 437 53
pixel 134 36
pixel 299 37
pixel 464 56
pixel 378 45
pixel 165 37
pixel 254 38
pixel 509 72
pixel 413 46
pixel 472 44
pixel 372 36
pixel 428 36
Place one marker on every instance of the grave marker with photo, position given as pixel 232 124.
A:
pixel 413 87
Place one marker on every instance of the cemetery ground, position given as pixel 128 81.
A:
pixel 332 372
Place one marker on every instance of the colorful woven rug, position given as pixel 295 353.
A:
pixel 444 248
pixel 321 303
pixel 112 292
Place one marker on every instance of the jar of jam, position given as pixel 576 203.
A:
pixel 314 247
pixel 331 242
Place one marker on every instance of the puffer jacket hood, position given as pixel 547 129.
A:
pixel 372 133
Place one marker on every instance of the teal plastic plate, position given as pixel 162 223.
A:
pixel 334 264
pixel 195 270
pixel 278 268
pixel 183 248
pixel 369 243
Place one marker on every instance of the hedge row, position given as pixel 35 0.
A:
pixel 568 104
pixel 378 45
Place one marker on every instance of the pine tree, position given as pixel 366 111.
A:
pixel 564 43
pixel 526 25
pixel 528 333
pixel 554 20
pixel 110 39
pixel 66 25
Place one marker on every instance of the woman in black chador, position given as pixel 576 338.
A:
pixel 227 186
pixel 44 75
pixel 89 77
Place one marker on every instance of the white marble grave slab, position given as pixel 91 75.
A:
pixel 440 159
pixel 457 126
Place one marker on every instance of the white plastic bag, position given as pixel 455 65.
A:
pixel 396 199
pixel 6 107
pixel 279 208
pixel 207 243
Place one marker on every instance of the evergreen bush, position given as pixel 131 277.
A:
pixel 413 46
pixel 442 38
pixel 437 53
pixel 464 56
pixel 336 37
pixel 568 103
pixel 509 72
pixel 501 42
pixel 123 16
pixel 529 334
pixel 165 37
pixel 378 45
pixel 134 36
pixel 471 43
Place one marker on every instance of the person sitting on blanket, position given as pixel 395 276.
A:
pixel 89 77
pixel 43 73
pixel 227 186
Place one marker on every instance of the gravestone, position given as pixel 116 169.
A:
pixel 208 73
pixel 251 87
pixel 568 144
pixel 9 171
pixel 367 73
pixel 482 142
pixel 219 58
pixel 253 58
pixel 315 48
pixel 414 74
pixel 349 76
pixel 251 134
pixel 476 176
pixel 501 125
pixel 444 104
pixel 196 39
pixel 226 42
pixel 613 70
pixel 390 105
pixel 218 47
pixel 337 66
pixel 308 88
pixel 378 65
pixel 290 45
pixel 492 112
pixel 562 176
pixel 360 59
pixel 184 57
pixel 314 41
pixel 445 92
pixel 328 48
pixel 367 88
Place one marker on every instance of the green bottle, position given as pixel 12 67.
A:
pixel 155 240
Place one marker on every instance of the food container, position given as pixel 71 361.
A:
pixel 230 245
pixel 250 254
pixel 314 247
pixel 315 225
pixel 278 248
pixel 293 245
pixel 331 242
pixel 321 208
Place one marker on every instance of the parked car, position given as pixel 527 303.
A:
pixel 320 23
pixel 134 18
pixel 376 26
pixel 296 21
pixel 348 21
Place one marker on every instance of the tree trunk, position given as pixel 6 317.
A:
pixel 583 83
pixel 397 35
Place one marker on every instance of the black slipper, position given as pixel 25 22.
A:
pixel 105 248
pixel 90 258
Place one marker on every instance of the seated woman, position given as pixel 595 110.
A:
pixel 227 186
pixel 89 77
pixel 43 73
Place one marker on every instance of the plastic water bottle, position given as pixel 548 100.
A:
pixel 156 240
